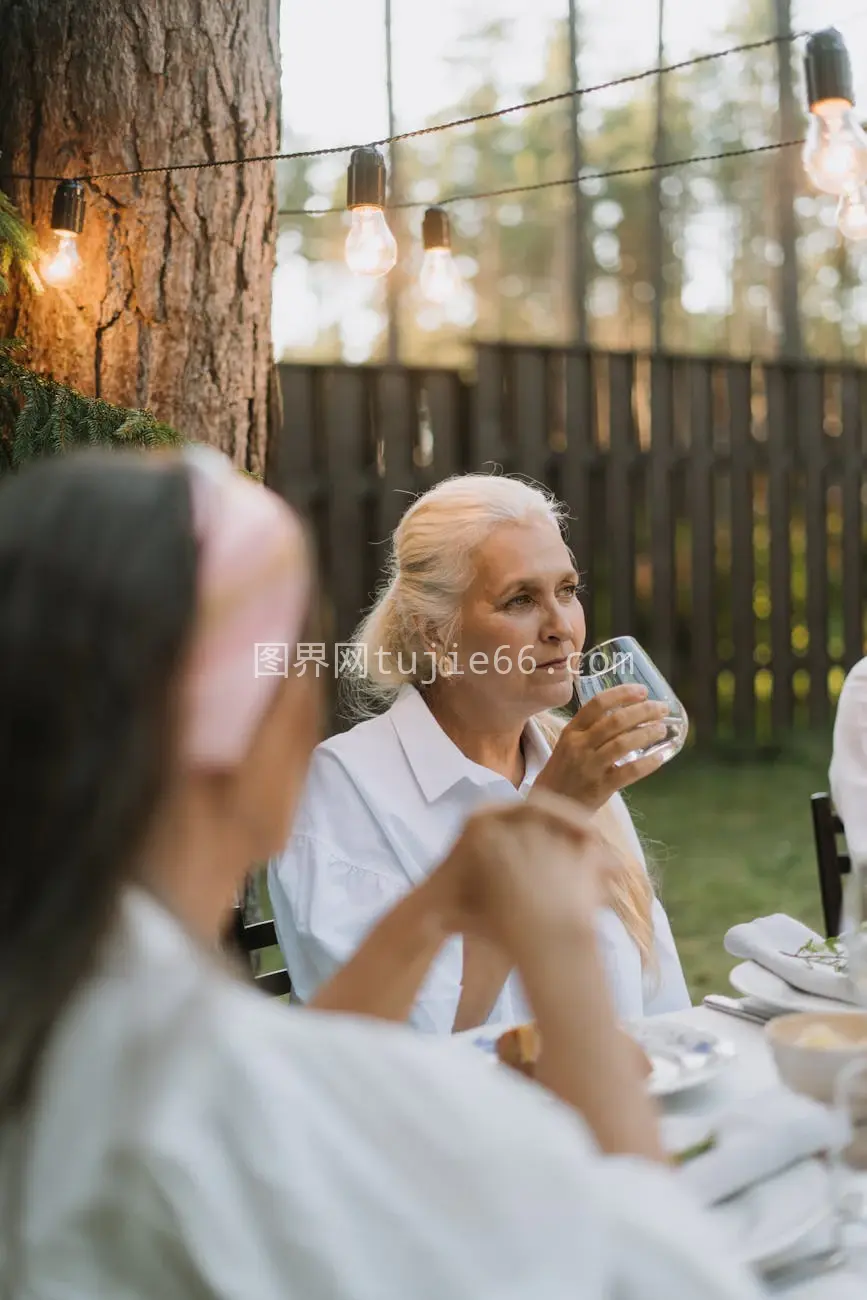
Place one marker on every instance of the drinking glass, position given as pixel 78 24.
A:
pixel 853 927
pixel 850 1091
pixel 622 662
pixel 850 1162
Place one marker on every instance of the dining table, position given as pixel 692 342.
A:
pixel 750 1072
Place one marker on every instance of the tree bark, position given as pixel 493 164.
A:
pixel 171 309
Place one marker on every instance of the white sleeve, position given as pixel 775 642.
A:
pixel 365 1164
pixel 848 771
pixel 336 878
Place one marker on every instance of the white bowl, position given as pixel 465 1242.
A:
pixel 813 1069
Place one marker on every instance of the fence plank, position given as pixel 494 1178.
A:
pixel 662 517
pixel 445 408
pixel 812 446
pixel 779 498
pixel 396 418
pixel 739 380
pixel 620 514
pixel 292 472
pixel 486 440
pixel 577 470
pixel 853 590
pixel 701 502
pixel 530 413
pixel 345 428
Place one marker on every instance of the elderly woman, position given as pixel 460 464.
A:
pixel 468 649
pixel 165 1131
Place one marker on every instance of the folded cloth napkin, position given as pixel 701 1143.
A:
pixel 772 941
pixel 760 1136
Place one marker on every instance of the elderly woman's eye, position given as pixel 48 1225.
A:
pixel 517 600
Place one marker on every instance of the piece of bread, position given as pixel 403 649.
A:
pixel 520 1048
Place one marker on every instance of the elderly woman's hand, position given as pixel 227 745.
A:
pixel 613 724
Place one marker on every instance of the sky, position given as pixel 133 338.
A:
pixel 334 74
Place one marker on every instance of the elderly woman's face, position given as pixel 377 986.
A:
pixel 521 620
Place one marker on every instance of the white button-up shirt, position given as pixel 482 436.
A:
pixel 848 772
pixel 191 1137
pixel 384 803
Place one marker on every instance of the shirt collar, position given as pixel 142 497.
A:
pixel 435 759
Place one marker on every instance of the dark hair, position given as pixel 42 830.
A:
pixel 97 601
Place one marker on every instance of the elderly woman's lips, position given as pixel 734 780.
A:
pixel 552 664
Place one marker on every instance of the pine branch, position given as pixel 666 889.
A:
pixel 18 245
pixel 40 417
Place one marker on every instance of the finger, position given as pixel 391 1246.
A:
pixel 615 698
pixel 626 719
pixel 636 771
pixel 640 739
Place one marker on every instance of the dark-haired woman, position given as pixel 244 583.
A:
pixel 164 1130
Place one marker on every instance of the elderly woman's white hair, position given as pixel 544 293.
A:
pixel 429 568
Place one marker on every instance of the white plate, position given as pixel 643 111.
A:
pixel 768 988
pixel 681 1055
pixel 765 1222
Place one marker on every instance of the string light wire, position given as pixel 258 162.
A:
pixel 565 180
pixel 419 132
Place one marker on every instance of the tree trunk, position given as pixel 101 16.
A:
pixel 171 309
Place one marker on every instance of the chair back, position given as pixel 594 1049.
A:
pixel 832 859
pixel 250 941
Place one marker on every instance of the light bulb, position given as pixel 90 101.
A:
pixel 65 263
pixel 835 152
pixel 371 248
pixel 439 279
pixel 852 214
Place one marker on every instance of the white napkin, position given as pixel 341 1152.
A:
pixel 770 940
pixel 759 1137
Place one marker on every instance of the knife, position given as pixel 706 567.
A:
pixel 742 1008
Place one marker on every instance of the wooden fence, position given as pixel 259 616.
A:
pixel 717 504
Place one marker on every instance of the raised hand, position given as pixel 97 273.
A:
pixel 612 725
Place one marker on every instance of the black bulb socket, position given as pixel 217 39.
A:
pixel 828 68
pixel 67 214
pixel 365 180
pixel 435 229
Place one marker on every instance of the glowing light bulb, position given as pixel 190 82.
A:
pixel 439 280
pixel 439 277
pixel 371 248
pixel 67 222
pixel 65 263
pixel 852 214
pixel 835 151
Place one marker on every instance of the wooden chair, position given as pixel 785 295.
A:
pixel 248 940
pixel 833 862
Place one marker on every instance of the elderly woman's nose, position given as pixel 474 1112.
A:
pixel 556 623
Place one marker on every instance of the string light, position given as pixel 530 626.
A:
pixel 67 222
pixel 439 280
pixel 835 153
pixel 371 248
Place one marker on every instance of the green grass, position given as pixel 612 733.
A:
pixel 730 839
